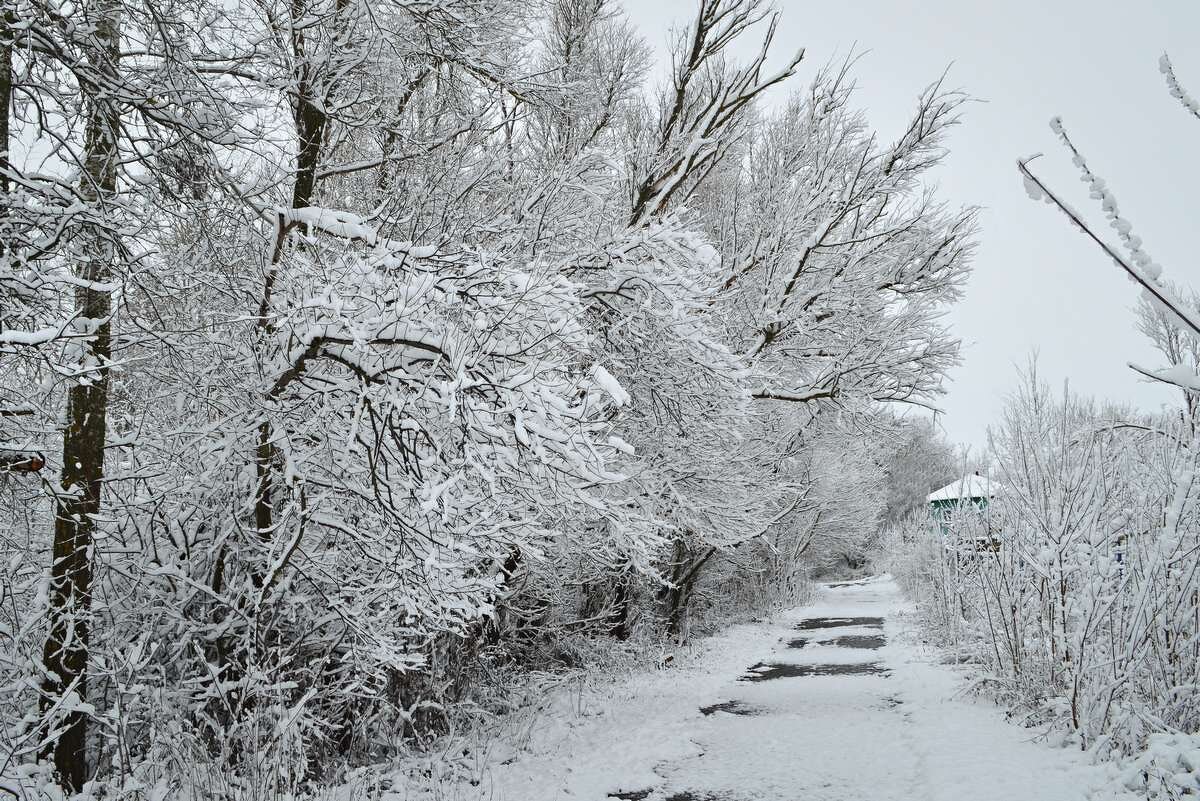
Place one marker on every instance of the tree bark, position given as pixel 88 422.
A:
pixel 78 501
pixel 686 570
pixel 619 622
pixel 7 20
pixel 310 119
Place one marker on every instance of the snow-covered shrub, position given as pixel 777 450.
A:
pixel 1168 768
pixel 1088 615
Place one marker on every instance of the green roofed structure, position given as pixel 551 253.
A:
pixel 972 491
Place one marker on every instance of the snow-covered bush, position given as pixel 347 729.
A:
pixel 1087 617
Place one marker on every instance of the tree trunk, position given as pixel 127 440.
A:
pixel 686 571
pixel 77 503
pixel 309 116
pixel 676 595
pixel 7 19
pixel 619 617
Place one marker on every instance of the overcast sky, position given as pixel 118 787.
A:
pixel 1037 283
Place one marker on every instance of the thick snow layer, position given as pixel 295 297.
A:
pixel 969 486
pixel 905 734
pixel 610 385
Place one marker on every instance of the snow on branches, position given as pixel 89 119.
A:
pixel 366 350
pixel 1137 264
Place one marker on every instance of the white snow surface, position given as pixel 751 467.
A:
pixel 969 486
pixel 610 385
pixel 911 734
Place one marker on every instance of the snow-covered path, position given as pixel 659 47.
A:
pixel 888 729
pixel 841 703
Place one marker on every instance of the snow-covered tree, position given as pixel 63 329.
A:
pixel 348 351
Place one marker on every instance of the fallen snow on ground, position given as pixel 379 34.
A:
pixel 905 733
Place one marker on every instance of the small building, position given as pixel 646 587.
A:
pixel 972 492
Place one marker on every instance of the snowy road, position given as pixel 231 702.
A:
pixel 839 702
pixel 867 718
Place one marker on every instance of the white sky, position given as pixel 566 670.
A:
pixel 1038 284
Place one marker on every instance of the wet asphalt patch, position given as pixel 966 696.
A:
pixel 867 641
pixel 685 795
pixel 814 623
pixel 732 708
pixel 766 671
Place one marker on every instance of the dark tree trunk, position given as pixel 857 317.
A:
pixel 6 47
pixel 310 120
pixel 619 618
pixel 685 571
pixel 675 596
pixel 7 21
pixel 310 130
pixel 308 109
pixel 77 504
